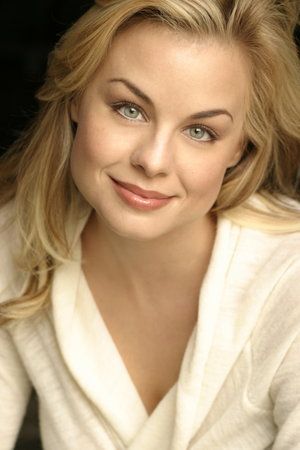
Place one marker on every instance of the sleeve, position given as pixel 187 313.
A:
pixel 15 389
pixel 285 393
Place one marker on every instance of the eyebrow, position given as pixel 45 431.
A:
pixel 199 115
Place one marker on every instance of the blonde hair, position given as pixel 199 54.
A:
pixel 35 174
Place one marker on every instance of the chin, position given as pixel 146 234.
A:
pixel 139 233
pixel 141 229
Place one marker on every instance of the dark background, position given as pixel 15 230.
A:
pixel 28 31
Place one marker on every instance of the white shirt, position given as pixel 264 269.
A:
pixel 239 383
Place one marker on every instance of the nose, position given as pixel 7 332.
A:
pixel 153 156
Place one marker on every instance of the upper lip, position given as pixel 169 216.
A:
pixel 141 192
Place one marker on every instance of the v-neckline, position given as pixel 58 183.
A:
pixel 96 364
pixel 113 349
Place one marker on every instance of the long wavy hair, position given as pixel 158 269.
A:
pixel 35 173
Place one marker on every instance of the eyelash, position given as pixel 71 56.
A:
pixel 116 106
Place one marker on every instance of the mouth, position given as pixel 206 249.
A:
pixel 139 198
pixel 142 192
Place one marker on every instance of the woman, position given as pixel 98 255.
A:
pixel 150 233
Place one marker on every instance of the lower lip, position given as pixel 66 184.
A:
pixel 138 202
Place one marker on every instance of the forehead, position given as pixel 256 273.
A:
pixel 176 65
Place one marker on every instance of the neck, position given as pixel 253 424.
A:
pixel 171 266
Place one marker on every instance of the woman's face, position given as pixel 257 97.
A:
pixel 164 113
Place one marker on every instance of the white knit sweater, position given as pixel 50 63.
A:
pixel 239 383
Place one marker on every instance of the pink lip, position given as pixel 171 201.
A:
pixel 141 192
pixel 139 198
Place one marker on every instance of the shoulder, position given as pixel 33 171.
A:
pixel 273 257
pixel 11 277
pixel 278 247
pixel 269 230
pixel 263 283
pixel 265 271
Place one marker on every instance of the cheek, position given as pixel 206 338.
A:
pixel 85 161
pixel 93 148
pixel 205 181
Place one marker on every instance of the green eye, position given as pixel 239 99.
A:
pixel 201 134
pixel 130 111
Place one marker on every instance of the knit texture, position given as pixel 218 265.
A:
pixel 239 383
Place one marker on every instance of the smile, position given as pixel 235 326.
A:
pixel 139 198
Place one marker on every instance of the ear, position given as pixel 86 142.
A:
pixel 74 110
pixel 238 154
pixel 236 158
